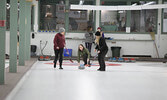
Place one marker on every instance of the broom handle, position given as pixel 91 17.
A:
pixel 94 58
pixel 152 34
pixel 156 48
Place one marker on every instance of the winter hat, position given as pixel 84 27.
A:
pixel 97 33
pixel 99 28
pixel 61 30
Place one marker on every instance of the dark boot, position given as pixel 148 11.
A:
pixel 99 69
pixel 60 62
pixel 54 65
pixel 102 70
pixel 60 66
pixel 89 64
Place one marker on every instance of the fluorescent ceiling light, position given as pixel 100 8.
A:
pixel 115 8
pixel 121 11
pixel 134 4
pixel 81 2
pixel 149 3
pixel 8 6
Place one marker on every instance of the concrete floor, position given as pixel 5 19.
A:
pixel 11 79
pixel 128 81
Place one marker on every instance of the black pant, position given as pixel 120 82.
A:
pixel 101 61
pixel 59 53
pixel 85 57
pixel 88 46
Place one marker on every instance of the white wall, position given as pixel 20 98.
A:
pixel 163 45
pixel 132 44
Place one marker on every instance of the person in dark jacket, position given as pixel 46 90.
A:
pixel 101 49
pixel 59 44
pixel 84 53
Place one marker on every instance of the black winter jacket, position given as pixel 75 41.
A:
pixel 102 45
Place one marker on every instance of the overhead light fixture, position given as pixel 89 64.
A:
pixel 117 8
pixel 49 6
pixel 134 4
pixel 149 3
pixel 8 6
pixel 121 11
pixel 61 2
pixel 81 2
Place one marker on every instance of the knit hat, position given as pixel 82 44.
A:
pixel 99 28
pixel 97 33
pixel 61 30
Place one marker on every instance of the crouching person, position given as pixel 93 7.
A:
pixel 84 53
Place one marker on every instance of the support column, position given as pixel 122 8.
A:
pixel 22 33
pixel 97 16
pixel 159 26
pixel 128 18
pixel 28 30
pixel 2 40
pixel 13 35
pixel 67 15
pixel 36 12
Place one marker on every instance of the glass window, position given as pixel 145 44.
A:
pixel 52 17
pixel 80 20
pixel 8 15
pixel 143 20
pixel 165 19
pixel 32 18
pixel 113 21
pixel 112 2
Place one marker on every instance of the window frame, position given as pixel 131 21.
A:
pixel 162 19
